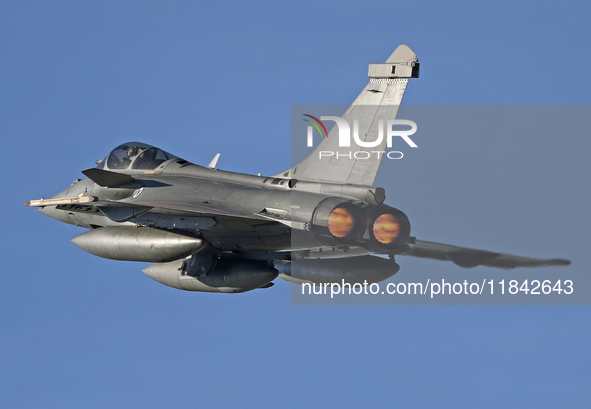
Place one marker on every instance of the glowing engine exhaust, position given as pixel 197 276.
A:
pixel 389 227
pixel 376 227
pixel 340 222
pixel 386 228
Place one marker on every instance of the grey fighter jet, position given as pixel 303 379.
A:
pixel 206 229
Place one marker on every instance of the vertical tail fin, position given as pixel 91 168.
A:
pixel 379 100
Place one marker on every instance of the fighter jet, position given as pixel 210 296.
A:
pixel 319 222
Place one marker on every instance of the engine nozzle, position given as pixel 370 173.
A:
pixel 377 227
pixel 389 227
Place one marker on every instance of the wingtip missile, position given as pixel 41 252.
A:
pixel 61 201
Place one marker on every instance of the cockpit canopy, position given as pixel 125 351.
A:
pixel 136 155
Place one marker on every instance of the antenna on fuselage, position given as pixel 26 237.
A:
pixel 214 161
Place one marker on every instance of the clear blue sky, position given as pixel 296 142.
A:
pixel 197 78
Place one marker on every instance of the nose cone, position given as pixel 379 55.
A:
pixel 82 241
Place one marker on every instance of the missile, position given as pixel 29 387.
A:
pixel 60 201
